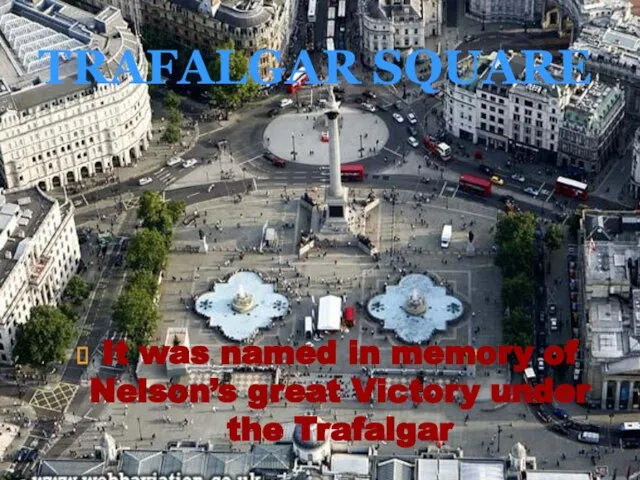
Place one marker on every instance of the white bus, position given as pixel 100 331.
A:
pixel 330 45
pixel 342 8
pixel 311 13
pixel 332 13
pixel 331 29
pixel 447 232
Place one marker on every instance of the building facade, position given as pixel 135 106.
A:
pixel 608 308
pixel 54 135
pixel 564 125
pixel 493 11
pixel 399 25
pixel 39 253
pixel 590 128
pixel 634 180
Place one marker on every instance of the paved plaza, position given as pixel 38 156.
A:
pixel 305 130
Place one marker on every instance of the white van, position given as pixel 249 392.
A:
pixel 174 161
pixel 589 437
pixel 285 102
pixel 447 232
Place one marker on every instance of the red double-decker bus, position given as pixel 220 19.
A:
pixel 299 79
pixel 474 184
pixel 352 173
pixel 572 188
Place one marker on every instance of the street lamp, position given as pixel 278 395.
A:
pixel 499 432
pixel 483 18
pixel 293 143
pixel 361 147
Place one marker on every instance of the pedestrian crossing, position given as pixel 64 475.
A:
pixel 165 175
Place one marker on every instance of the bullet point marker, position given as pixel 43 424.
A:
pixel 82 355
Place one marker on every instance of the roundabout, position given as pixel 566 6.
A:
pixel 303 137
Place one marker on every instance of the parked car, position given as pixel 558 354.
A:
pixel 497 179
pixel 413 142
pixel 398 118
pixel 385 107
pixel 412 118
pixel 398 105
pixel 531 191
pixel 145 181
pixel 518 177
pixel 413 131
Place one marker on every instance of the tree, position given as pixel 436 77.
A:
pixel 518 328
pixel 176 209
pixel 231 96
pixel 144 280
pixel 77 290
pixel 172 134
pixel 175 117
pixel 553 237
pixel 517 291
pixel 44 338
pixel 171 100
pixel 69 312
pixel 150 206
pixel 147 251
pixel 136 316
pixel 515 238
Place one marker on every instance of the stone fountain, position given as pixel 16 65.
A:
pixel 242 301
pixel 416 304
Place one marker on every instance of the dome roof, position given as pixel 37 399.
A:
pixel 310 443
pixel 518 451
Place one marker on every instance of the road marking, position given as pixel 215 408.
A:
pixel 391 151
pixel 202 134
pixel 250 160
pixel 550 195
pixel 159 171
pixel 193 194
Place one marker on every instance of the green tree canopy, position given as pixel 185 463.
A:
pixel 176 209
pixel 150 206
pixel 518 291
pixel 554 237
pixel 159 215
pixel 45 338
pixel 231 96
pixel 176 117
pixel 172 133
pixel 77 290
pixel 515 238
pixel 518 328
pixel 136 316
pixel 172 101
pixel 144 280
pixel 147 251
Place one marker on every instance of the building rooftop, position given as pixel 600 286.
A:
pixel 593 106
pixel 396 10
pixel 235 13
pixel 21 214
pixel 27 27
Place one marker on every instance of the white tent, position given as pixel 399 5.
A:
pixel 329 313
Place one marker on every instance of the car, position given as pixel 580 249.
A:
pixel 274 159
pixel 412 118
pixel 145 181
pixel 412 131
pixel 552 309
pixel 413 142
pixel 398 118
pixel 385 107
pixel 518 178
pixel 211 187
pixel 560 413
pixel 189 163
pixel 531 191
pixel 497 179
pixel 398 105
pixel 469 38
pixel 286 102
pixel 369 94
pixel 174 161
pixel 23 454
pixel 368 107
pixel 273 112
pixel 553 324
pixel 545 192
pixel 540 364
